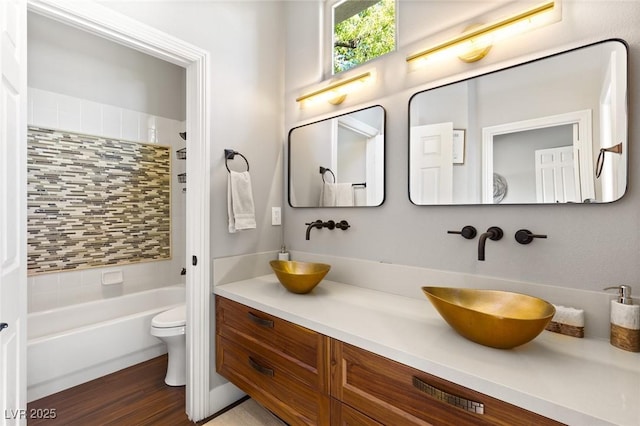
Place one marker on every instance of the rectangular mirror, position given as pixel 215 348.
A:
pixel 553 130
pixel 338 162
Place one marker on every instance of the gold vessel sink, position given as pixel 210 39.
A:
pixel 299 277
pixel 499 319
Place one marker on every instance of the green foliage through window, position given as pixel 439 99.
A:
pixel 365 35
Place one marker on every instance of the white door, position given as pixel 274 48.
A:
pixel 431 167
pixel 556 176
pixel 13 193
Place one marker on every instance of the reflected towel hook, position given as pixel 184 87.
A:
pixel 229 154
pixel 616 149
pixel 324 170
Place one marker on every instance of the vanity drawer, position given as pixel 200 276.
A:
pixel 302 353
pixel 343 415
pixel 393 393
pixel 264 380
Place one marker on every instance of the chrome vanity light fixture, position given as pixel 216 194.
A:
pixel 336 93
pixel 474 44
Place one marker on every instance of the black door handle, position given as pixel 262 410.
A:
pixel 3 325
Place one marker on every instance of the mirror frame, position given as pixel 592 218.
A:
pixel 626 130
pixel 384 159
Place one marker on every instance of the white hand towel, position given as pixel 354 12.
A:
pixel 344 194
pixel 328 194
pixel 240 202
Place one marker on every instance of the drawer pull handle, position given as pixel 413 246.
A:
pixel 457 401
pixel 260 321
pixel 260 369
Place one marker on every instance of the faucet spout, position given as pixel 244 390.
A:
pixel 317 224
pixel 493 233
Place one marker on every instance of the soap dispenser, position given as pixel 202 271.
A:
pixel 625 320
pixel 283 254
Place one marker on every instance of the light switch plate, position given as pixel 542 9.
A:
pixel 276 216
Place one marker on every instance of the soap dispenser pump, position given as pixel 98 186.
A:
pixel 625 320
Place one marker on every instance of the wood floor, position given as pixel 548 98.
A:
pixel 134 396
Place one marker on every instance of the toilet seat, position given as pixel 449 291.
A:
pixel 176 317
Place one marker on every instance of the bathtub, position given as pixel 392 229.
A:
pixel 75 344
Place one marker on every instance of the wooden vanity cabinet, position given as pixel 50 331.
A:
pixel 281 365
pixel 395 394
pixel 307 378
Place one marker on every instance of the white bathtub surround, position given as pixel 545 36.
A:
pixel 74 344
pixel 58 111
pixel 576 381
pixel 407 281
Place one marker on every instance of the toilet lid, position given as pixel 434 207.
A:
pixel 175 317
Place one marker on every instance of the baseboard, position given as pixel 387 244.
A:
pixel 222 396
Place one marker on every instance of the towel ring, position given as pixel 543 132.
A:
pixel 616 149
pixel 324 170
pixel 229 154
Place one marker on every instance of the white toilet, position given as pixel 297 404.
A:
pixel 170 327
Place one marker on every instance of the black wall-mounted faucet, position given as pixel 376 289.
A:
pixel 494 233
pixel 330 224
pixel 317 224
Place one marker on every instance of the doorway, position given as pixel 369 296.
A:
pixel 579 128
pixel 101 21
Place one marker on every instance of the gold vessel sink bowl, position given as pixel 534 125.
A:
pixel 299 277
pixel 499 319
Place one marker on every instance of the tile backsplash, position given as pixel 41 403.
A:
pixel 95 201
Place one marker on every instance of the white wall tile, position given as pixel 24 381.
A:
pixel 45 109
pixel 111 121
pixel 130 125
pixel 91 276
pixel 69 113
pixel 43 301
pixel 69 280
pixel 44 283
pixel 147 131
pixel 165 131
pixel 91 117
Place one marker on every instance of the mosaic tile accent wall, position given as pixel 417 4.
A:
pixel 95 202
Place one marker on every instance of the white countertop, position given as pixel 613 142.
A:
pixel 576 381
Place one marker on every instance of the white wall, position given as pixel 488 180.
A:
pixel 247 65
pixel 246 44
pixel 63 59
pixel 589 246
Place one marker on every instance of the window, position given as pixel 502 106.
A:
pixel 362 30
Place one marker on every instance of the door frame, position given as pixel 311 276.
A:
pixel 109 24
pixel 584 147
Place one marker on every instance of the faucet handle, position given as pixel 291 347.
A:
pixel 343 224
pixel 468 232
pixel 524 236
pixel 329 224
pixel 495 233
